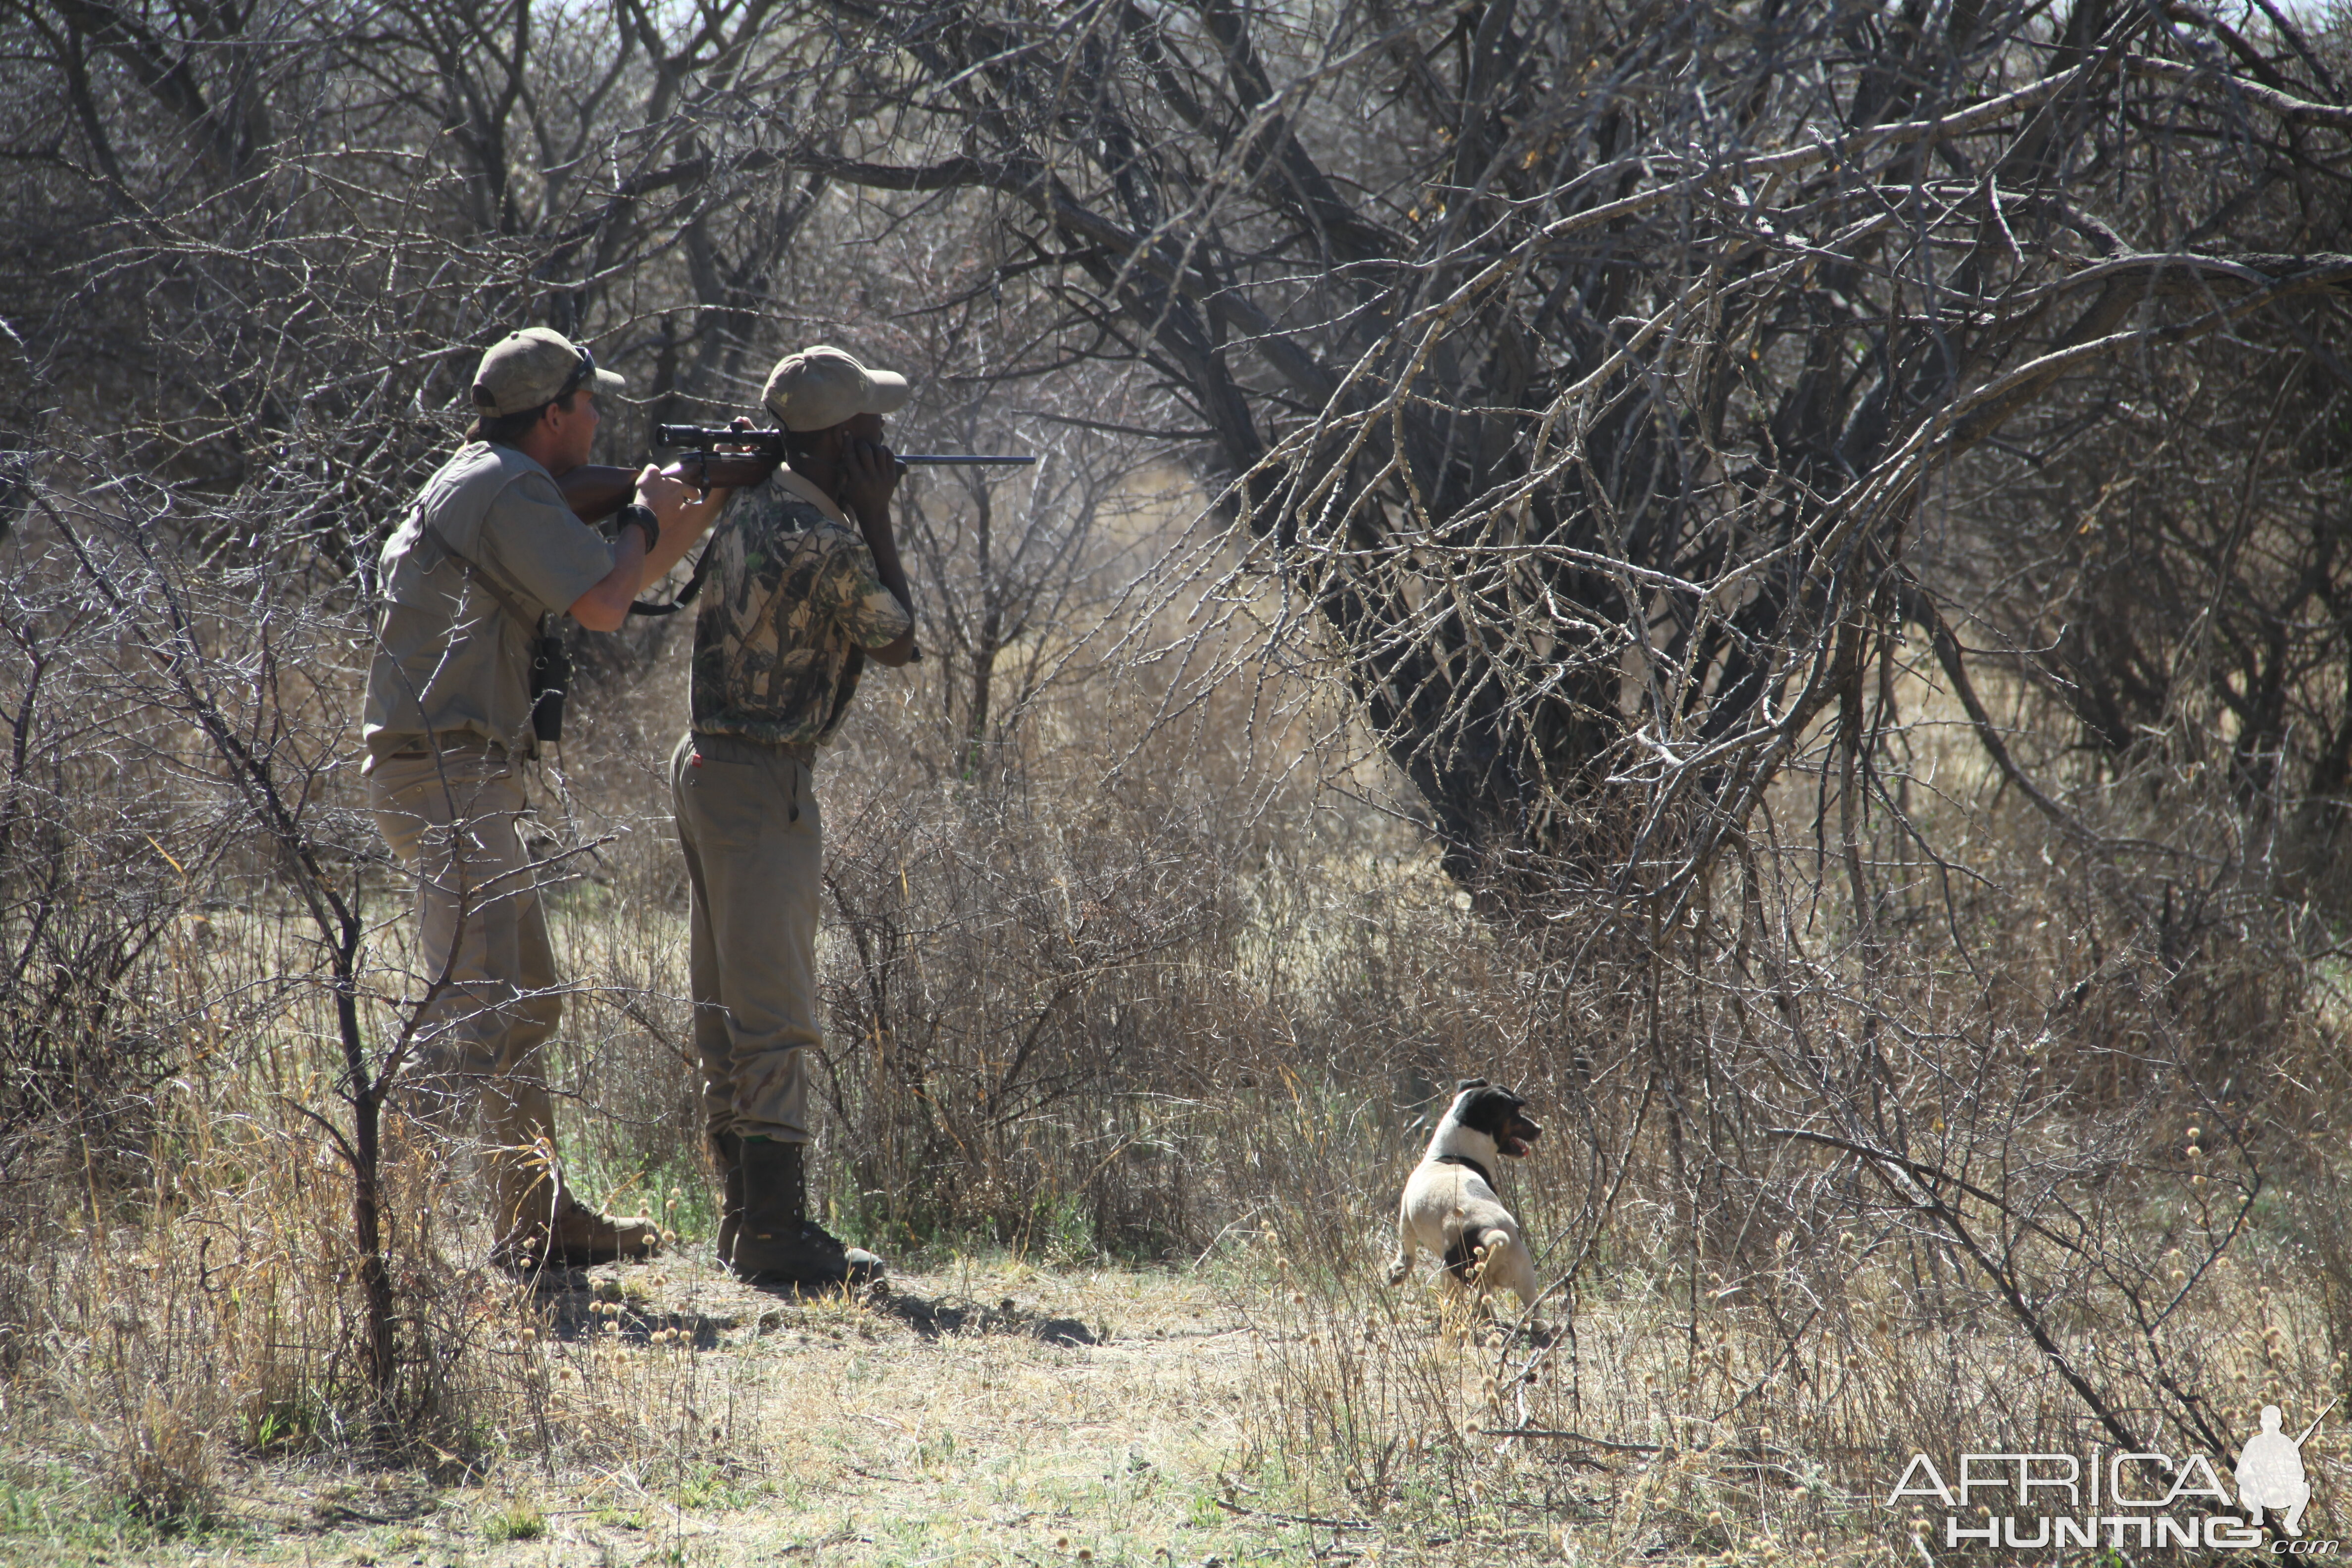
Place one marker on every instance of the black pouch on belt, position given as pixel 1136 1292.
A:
pixel 551 677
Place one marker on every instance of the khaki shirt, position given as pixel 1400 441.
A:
pixel 792 602
pixel 448 658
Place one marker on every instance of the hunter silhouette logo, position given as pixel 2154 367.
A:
pixel 2270 1472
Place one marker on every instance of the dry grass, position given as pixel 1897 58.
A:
pixel 1693 1436
pixel 729 1425
pixel 193 1393
pixel 1222 1408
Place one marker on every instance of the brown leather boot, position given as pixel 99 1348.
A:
pixel 778 1242
pixel 727 1154
pixel 579 1237
pixel 541 1223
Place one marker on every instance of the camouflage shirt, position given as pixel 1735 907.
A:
pixel 789 605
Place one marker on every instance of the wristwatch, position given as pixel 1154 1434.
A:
pixel 636 514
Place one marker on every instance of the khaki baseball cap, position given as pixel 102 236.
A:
pixel 534 366
pixel 820 386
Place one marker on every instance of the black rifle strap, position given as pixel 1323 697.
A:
pixel 685 596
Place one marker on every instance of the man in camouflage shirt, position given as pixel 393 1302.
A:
pixel 805 586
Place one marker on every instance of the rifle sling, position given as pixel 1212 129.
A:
pixel 685 594
pixel 530 623
pixel 511 604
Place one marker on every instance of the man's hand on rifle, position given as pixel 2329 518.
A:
pixel 685 516
pixel 663 496
pixel 679 519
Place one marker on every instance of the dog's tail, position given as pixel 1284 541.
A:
pixel 1464 1242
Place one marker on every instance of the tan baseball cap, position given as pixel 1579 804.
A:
pixel 820 386
pixel 534 366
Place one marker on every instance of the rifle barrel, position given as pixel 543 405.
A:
pixel 711 442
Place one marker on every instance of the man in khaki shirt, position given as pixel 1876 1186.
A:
pixel 489 550
pixel 806 587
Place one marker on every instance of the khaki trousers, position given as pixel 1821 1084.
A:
pixel 747 819
pixel 454 820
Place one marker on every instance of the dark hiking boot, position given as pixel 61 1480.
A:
pixel 778 1244
pixel 727 1154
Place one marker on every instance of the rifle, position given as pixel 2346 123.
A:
pixel 719 459
pixel 594 490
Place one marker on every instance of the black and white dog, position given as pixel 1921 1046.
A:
pixel 1449 1207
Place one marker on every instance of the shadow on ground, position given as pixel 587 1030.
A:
pixel 579 1304
pixel 945 1315
pixel 578 1307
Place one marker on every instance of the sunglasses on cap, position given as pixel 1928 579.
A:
pixel 584 370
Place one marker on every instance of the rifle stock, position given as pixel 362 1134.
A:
pixel 596 490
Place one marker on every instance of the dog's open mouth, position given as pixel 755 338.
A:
pixel 1512 1144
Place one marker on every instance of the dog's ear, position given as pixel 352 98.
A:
pixel 1469 1083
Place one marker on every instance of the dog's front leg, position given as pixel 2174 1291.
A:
pixel 1515 1270
pixel 1401 1265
